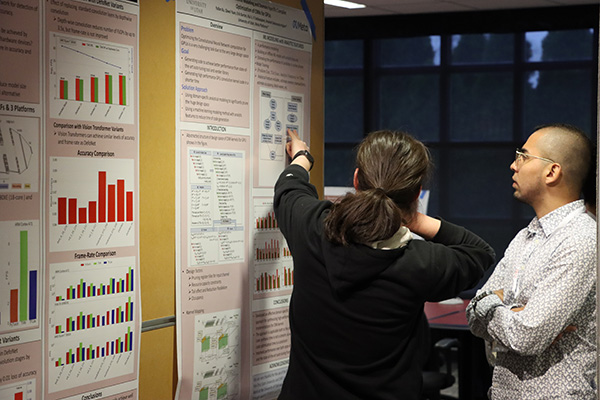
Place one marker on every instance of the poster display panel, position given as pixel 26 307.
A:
pixel 243 80
pixel 21 265
pixel 91 296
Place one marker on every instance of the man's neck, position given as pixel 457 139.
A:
pixel 552 204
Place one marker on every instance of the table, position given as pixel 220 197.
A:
pixel 474 373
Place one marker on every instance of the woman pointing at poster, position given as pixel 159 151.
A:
pixel 358 329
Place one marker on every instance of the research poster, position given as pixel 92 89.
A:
pixel 243 80
pixel 21 224
pixel 69 286
pixel 91 292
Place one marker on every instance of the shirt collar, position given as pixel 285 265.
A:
pixel 399 239
pixel 551 221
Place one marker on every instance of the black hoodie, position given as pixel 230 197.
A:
pixel 358 330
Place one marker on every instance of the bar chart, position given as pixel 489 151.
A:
pixel 23 390
pixel 82 321
pixel 91 203
pixel 91 80
pixel 269 248
pixel 91 321
pixel 19 275
pixel 274 280
pixel 266 222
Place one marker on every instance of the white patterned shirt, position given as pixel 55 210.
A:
pixel 550 268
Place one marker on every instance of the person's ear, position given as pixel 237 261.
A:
pixel 418 193
pixel 355 180
pixel 553 174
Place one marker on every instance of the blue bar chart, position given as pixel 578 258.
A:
pixel 91 321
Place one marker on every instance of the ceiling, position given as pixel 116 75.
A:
pixel 390 7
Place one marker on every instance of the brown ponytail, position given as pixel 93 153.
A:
pixel 391 169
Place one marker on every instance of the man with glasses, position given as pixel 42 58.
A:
pixel 538 309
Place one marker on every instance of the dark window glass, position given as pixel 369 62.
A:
pixel 344 54
pixel 482 48
pixel 339 165
pixel 419 51
pixel 559 45
pixel 344 111
pixel 478 182
pixel 558 96
pixel 498 233
pixel 410 103
pixel 481 107
pixel 525 212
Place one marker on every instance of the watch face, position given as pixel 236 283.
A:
pixel 309 156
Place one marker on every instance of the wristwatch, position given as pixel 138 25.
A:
pixel 306 154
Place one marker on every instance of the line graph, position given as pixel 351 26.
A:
pixel 91 80
pixel 91 56
pixel 19 148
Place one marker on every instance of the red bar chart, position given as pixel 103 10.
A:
pixel 23 390
pixel 267 222
pixel 87 197
pixel 111 204
pixel 274 281
pixel 268 251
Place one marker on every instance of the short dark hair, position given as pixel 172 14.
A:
pixel 569 146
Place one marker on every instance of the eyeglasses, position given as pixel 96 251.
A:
pixel 521 157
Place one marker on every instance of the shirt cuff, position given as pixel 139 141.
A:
pixel 484 306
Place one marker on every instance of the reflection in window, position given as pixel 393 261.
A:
pixel 559 45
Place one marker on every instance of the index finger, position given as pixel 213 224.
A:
pixel 293 133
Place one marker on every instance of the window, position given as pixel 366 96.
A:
pixel 472 97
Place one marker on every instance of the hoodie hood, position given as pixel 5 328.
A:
pixel 355 266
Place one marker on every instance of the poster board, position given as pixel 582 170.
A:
pixel 243 80
pixel 69 199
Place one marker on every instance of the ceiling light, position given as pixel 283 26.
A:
pixel 344 4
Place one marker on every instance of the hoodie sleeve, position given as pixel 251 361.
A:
pixel 295 200
pixel 459 257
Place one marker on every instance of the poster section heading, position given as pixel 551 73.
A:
pixel 255 15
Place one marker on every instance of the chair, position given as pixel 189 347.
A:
pixel 435 381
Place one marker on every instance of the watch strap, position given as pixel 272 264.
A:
pixel 306 154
